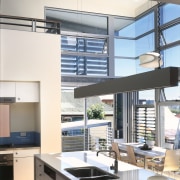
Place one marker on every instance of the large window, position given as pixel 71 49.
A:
pixel 107 46
pixel 74 21
pixel 84 42
pixel 169 106
pixel 166 13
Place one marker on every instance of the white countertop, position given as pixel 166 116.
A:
pixel 64 160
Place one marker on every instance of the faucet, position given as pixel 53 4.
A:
pixel 115 166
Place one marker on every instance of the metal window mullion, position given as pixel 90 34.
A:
pixel 110 42
pixel 158 120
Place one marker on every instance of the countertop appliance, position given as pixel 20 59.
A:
pixel 6 166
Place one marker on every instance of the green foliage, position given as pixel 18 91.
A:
pixel 96 111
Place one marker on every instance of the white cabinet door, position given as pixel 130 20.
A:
pixel 27 92
pixel 24 163
pixel 24 168
pixel 4 120
pixel 7 89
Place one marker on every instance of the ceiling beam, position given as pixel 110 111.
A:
pixel 159 78
pixel 168 1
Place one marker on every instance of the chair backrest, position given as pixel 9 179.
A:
pixel 116 149
pixel 131 155
pixel 171 161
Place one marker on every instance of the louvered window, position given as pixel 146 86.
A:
pixel 144 123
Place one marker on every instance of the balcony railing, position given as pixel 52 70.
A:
pixel 29 24
pixel 94 138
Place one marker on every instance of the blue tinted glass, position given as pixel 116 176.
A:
pixel 90 45
pixel 144 24
pixel 124 27
pixel 171 57
pixel 145 44
pixel 128 31
pixel 172 34
pixel 169 12
pixel 125 67
pixel 80 65
pixel 124 47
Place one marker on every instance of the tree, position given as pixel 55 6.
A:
pixel 96 111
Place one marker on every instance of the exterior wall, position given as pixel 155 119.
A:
pixel 30 56
pixel 35 8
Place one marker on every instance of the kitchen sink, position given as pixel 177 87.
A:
pixel 90 173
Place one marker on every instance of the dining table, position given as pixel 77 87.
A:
pixel 146 154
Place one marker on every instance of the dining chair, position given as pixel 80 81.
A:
pixel 168 163
pixel 132 159
pixel 120 155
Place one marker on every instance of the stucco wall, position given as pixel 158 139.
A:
pixel 30 56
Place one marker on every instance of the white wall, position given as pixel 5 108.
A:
pixel 29 56
pixel 35 8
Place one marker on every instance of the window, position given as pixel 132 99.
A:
pixel 74 21
pixel 124 47
pixel 145 44
pixel 84 44
pixel 171 35
pixel 144 123
pixel 144 24
pixel 166 13
pixel 125 67
pixel 80 65
pixel 124 27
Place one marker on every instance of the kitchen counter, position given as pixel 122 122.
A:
pixel 10 149
pixel 60 161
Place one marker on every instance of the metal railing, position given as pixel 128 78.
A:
pixel 32 24
pixel 96 138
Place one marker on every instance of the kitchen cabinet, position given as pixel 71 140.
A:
pixel 45 172
pixel 4 121
pixel 27 92
pixel 7 89
pixel 39 169
pixel 24 163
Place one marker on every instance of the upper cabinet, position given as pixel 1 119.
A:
pixel 27 92
pixel 7 89
pixel 22 91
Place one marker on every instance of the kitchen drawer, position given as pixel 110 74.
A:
pixel 26 152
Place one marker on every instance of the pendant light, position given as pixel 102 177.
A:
pixel 150 60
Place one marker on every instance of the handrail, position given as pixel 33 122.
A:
pixel 54 25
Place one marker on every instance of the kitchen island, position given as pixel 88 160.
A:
pixel 52 166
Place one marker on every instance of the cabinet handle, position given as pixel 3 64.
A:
pixel 16 153
pixel 16 160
